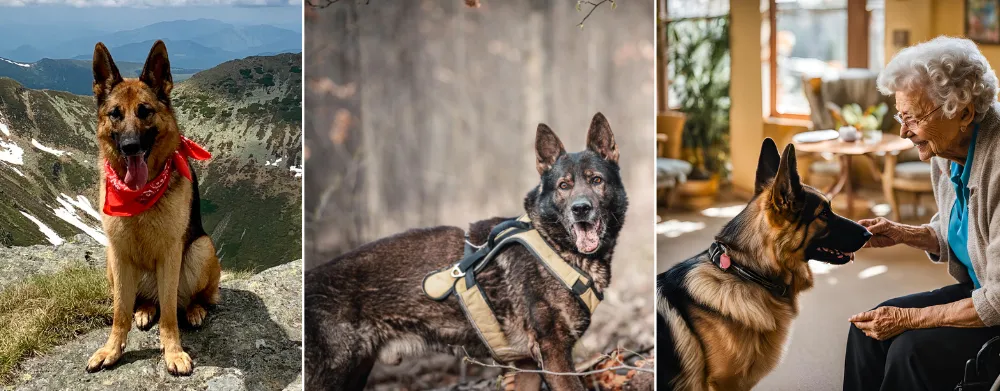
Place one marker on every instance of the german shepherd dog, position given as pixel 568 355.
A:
pixel 723 316
pixel 368 305
pixel 161 257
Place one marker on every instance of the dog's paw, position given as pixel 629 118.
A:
pixel 145 316
pixel 104 357
pixel 196 315
pixel 178 363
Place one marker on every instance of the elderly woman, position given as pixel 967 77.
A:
pixel 946 96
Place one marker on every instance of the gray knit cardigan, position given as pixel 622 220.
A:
pixel 984 218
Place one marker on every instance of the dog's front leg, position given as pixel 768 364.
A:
pixel 168 271
pixel 557 360
pixel 124 279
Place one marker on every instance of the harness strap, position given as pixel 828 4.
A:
pixel 717 253
pixel 461 279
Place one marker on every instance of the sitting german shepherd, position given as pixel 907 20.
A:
pixel 158 251
pixel 724 315
pixel 368 305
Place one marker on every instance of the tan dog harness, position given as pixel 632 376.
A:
pixel 461 279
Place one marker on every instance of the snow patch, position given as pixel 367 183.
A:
pixel 84 204
pixel 270 163
pixel 50 235
pixel 68 213
pixel 297 171
pixel 15 170
pixel 53 151
pixel 11 153
pixel 4 129
pixel 15 63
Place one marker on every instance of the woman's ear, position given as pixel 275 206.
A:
pixel 967 114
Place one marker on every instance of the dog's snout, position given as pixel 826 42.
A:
pixel 581 208
pixel 129 144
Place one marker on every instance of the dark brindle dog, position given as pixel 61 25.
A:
pixel 724 315
pixel 368 305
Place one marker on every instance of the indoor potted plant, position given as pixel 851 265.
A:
pixel 698 54
pixel 868 122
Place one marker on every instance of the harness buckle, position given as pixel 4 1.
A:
pixel 456 272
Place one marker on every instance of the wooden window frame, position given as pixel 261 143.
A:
pixel 857 48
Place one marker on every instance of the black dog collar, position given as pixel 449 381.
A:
pixel 717 253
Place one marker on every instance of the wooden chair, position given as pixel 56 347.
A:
pixel 671 172
pixel 910 176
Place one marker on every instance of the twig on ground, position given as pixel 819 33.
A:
pixel 545 372
pixel 325 3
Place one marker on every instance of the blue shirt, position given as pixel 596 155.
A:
pixel 958 225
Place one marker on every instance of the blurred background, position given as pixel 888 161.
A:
pixel 731 73
pixel 424 113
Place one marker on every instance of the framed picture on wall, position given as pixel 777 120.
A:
pixel 982 22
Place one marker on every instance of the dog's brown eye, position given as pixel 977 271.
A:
pixel 144 111
pixel 116 113
pixel 596 180
pixel 564 185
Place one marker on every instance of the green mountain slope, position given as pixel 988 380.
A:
pixel 246 112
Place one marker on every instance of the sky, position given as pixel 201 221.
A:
pixel 115 15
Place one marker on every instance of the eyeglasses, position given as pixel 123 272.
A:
pixel 911 123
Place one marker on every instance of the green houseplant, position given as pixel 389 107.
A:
pixel 698 67
pixel 870 119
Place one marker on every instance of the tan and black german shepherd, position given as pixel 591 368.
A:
pixel 724 315
pixel 162 256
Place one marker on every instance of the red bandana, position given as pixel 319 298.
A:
pixel 121 201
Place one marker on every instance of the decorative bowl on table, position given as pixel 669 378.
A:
pixel 873 136
pixel 848 134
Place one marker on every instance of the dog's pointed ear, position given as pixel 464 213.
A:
pixel 106 75
pixel 787 192
pixel 156 72
pixel 767 165
pixel 600 139
pixel 548 148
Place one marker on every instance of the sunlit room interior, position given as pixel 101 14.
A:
pixel 732 73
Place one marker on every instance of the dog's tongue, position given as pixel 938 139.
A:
pixel 137 173
pixel 587 238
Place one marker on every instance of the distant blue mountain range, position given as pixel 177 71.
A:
pixel 192 44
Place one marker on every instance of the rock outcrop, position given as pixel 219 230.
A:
pixel 251 341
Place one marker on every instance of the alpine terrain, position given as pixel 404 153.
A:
pixel 246 112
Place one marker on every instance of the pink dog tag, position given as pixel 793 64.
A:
pixel 724 261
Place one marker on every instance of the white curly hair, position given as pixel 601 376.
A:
pixel 950 71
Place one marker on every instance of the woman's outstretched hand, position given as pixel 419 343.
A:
pixel 885 233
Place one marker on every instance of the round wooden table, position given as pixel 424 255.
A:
pixel 890 145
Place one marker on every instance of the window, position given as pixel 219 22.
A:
pixel 689 16
pixel 813 38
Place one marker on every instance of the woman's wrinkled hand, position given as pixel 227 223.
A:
pixel 883 323
pixel 885 233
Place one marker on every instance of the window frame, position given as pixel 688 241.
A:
pixel 858 19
